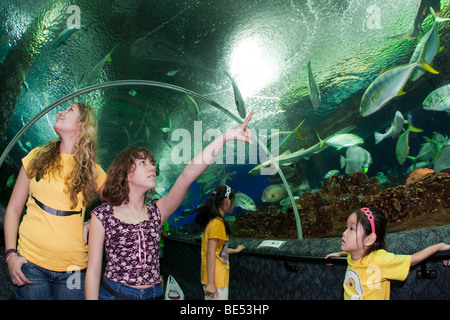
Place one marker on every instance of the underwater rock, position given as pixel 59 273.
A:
pixel 425 203
pixel 417 175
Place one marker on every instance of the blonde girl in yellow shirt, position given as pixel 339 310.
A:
pixel 370 267
pixel 215 267
pixel 56 182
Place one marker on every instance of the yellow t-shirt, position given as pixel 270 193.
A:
pixel 49 241
pixel 368 278
pixel 216 230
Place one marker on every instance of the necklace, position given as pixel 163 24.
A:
pixel 139 214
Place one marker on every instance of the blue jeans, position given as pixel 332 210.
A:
pixel 51 285
pixel 153 292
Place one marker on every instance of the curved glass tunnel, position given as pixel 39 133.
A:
pixel 50 49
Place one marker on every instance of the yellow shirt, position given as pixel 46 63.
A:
pixel 368 278
pixel 49 241
pixel 216 230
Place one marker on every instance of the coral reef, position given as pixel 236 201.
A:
pixel 420 204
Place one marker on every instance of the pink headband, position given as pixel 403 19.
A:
pixel 370 217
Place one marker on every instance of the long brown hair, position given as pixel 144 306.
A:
pixel 116 189
pixel 83 177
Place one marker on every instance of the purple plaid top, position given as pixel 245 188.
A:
pixel 132 250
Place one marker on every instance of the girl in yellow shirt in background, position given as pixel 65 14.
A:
pixel 215 267
pixel 370 267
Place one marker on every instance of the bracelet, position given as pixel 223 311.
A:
pixel 10 255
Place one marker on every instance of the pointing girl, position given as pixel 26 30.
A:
pixel 130 229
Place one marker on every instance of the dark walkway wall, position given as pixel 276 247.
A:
pixel 255 277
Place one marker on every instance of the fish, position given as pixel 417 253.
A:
pixel 358 160
pixel 341 140
pixel 244 201
pixel 394 130
pixel 438 145
pixel 287 201
pixel 417 165
pixel 10 181
pixel 330 173
pixel 421 13
pixel 189 101
pixel 238 100
pixel 92 76
pixel 438 100
pixel 428 151
pixel 313 88
pixel 430 42
pixel 172 73
pixel 276 193
pixel 289 157
pixel 443 161
pixel 283 136
pixel 389 84
pixel 65 35
pixel 169 126
pixel 21 146
pixel 381 177
pixel 402 146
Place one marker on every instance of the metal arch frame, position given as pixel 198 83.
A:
pixel 150 83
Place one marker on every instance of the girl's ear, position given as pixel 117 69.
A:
pixel 370 239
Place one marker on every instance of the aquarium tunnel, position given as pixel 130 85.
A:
pixel 351 109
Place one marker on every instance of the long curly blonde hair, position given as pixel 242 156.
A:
pixel 83 177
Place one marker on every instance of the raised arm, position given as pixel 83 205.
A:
pixel 427 252
pixel 170 202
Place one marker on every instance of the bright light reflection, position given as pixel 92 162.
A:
pixel 252 67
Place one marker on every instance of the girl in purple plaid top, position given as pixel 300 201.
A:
pixel 130 230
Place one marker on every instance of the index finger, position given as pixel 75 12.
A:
pixel 246 121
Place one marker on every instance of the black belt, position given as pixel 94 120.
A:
pixel 54 211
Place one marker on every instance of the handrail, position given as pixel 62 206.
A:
pixel 438 256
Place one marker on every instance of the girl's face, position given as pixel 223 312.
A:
pixel 144 175
pixel 68 120
pixel 353 237
pixel 227 205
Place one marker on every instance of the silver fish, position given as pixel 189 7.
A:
pixel 438 100
pixel 443 161
pixel 238 100
pixel 394 130
pixel 421 13
pixel 388 85
pixel 276 193
pixel 92 76
pixel 169 126
pixel 289 157
pixel 313 88
pixel 358 159
pixel 244 201
pixel 64 35
pixel 430 42
pixel 402 146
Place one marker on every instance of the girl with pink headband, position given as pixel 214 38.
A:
pixel 370 267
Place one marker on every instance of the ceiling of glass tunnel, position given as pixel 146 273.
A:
pixel 264 46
